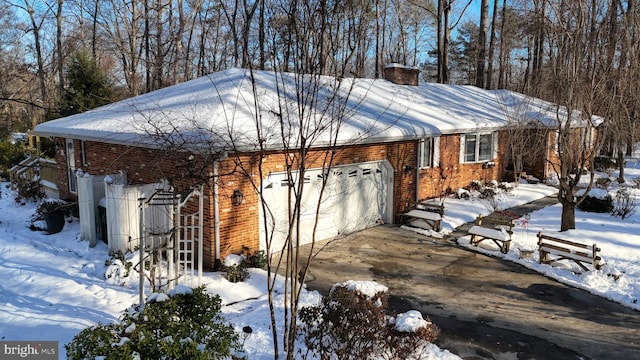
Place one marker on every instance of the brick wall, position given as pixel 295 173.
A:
pixel 402 75
pixel 239 225
pixel 452 175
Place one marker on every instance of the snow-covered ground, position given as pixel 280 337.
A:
pixel 618 239
pixel 53 286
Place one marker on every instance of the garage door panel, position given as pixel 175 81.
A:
pixel 355 197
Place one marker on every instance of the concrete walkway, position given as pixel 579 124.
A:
pixel 517 211
pixel 487 308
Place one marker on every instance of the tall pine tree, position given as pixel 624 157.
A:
pixel 88 86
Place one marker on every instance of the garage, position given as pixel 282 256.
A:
pixel 357 196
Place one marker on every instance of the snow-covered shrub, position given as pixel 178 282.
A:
pixel 236 273
pixel 476 185
pixel 462 194
pixel 119 268
pixel 490 197
pixel 235 268
pixel 488 193
pixel 256 259
pixel 604 163
pixel 351 323
pixel 624 204
pixel 603 183
pixel 597 200
pixel 491 184
pixel 27 190
pixel 185 324
pixel 505 186
pixel 410 333
pixel 636 183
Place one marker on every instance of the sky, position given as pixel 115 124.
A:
pixel 56 285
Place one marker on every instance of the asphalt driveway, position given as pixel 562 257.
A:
pixel 486 308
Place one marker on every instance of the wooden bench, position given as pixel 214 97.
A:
pixel 495 228
pixel 581 254
pixel 430 213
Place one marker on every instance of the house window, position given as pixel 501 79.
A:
pixel 478 147
pixel 428 152
pixel 71 166
pixel 83 150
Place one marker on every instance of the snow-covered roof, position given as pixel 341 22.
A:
pixel 222 109
pixel 519 107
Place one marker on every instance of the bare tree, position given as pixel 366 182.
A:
pixel 492 40
pixel 574 91
pixel 482 44
pixel 526 137
pixel 122 23
pixel 37 21
pixel 620 98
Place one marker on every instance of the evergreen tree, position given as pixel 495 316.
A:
pixel 88 86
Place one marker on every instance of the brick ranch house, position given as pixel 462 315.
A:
pixel 420 141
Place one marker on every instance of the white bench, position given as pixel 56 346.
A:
pixel 496 229
pixel 431 214
pixel 563 249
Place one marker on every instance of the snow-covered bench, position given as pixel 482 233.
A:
pixel 495 228
pixel 430 213
pixel 563 249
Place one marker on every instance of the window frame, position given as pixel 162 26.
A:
pixel 83 151
pixel 433 144
pixel 467 157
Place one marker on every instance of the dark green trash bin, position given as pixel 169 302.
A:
pixel 102 223
pixel 55 222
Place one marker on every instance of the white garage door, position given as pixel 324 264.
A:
pixel 357 196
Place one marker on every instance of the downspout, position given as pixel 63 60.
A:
pixel 216 218
pixel 217 264
pixel 418 173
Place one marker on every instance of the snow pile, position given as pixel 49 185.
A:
pixel 600 194
pixel 366 288
pixel 410 321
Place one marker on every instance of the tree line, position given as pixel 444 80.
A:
pixel 564 51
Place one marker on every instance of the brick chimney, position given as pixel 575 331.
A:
pixel 401 74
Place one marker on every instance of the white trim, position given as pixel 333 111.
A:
pixel 83 152
pixel 463 147
pixel 494 153
pixel 434 152
pixel 344 178
pixel 71 166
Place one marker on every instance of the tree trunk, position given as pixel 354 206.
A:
pixel 445 44
pixel 59 51
pixel 35 28
pixel 620 163
pixel 482 44
pixel 94 30
pixel 376 71
pixel 261 37
pixel 439 35
pixel 568 220
pixel 538 45
pixel 492 40
pixel 503 51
